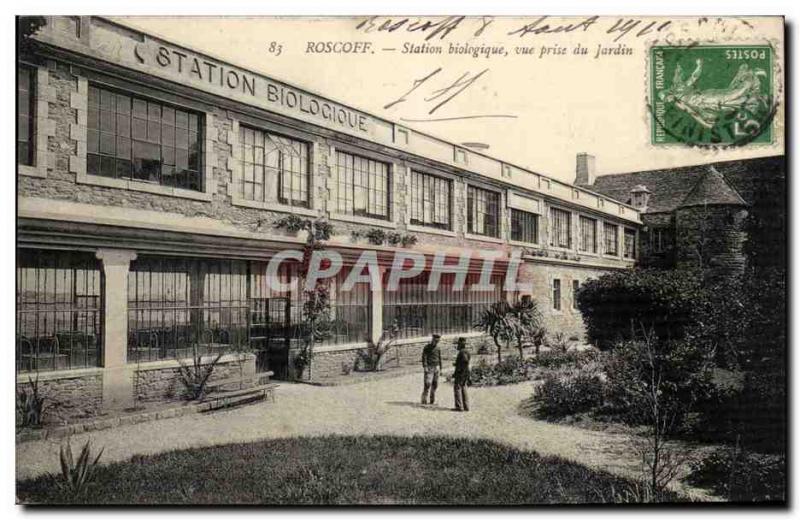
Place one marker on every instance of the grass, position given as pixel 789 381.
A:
pixel 341 470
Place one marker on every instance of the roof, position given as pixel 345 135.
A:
pixel 712 189
pixel 671 187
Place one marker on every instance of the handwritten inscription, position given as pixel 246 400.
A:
pixel 439 97
pixel 442 28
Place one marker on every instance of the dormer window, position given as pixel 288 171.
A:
pixel 640 196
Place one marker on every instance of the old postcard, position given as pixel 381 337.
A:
pixel 401 260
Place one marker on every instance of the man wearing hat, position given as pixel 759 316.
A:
pixel 461 376
pixel 432 365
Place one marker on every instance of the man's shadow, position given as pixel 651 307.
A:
pixel 426 407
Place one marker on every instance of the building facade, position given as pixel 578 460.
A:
pixel 150 177
pixel 697 216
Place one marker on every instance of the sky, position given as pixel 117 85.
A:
pixel 544 108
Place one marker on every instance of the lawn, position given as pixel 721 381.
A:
pixel 341 470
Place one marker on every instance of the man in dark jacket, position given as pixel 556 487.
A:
pixel 432 365
pixel 461 377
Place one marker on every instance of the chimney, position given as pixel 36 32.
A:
pixel 584 169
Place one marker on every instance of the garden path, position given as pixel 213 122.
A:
pixel 384 407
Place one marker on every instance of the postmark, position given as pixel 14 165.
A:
pixel 711 95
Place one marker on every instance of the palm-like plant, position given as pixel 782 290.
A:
pixel 195 377
pixel 508 324
pixel 498 322
pixel 78 474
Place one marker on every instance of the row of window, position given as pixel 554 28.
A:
pixel 177 306
pixel 588 239
pixel 129 137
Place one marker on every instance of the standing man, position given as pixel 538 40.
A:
pixel 432 365
pixel 461 377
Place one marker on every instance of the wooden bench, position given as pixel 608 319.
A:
pixel 219 398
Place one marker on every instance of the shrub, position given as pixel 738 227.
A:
pixel 558 358
pixel 508 371
pixel 375 236
pixel 195 377
pixel 31 405
pixel 371 357
pixel 78 474
pixel 741 476
pixel 666 301
pixel 408 240
pixel 682 376
pixel 569 393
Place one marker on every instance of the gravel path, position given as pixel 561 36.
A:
pixel 378 407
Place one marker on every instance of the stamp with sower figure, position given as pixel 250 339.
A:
pixel 711 95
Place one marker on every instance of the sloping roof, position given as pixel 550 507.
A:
pixel 670 187
pixel 712 189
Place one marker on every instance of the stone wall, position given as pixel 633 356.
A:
pixel 711 238
pixel 567 320
pixel 72 395
pixel 160 381
pixel 407 353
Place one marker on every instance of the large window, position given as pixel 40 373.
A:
pixel 524 226
pixel 560 228
pixel 611 239
pixel 483 212
pixel 363 186
pixel 25 115
pixel 274 168
pixel 588 242
pixel 430 200
pixel 180 306
pixel 630 243
pixel 420 312
pixel 58 311
pixel 133 138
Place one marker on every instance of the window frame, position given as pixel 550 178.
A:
pixel 148 124
pixel 536 226
pixel 626 232
pixel 240 179
pixel 552 224
pixel 555 294
pixel 349 213
pixel 576 284
pixel 31 73
pixel 78 162
pixel 582 238
pixel 51 270
pixel 470 230
pixel 436 179
pixel 616 227
pixel 663 241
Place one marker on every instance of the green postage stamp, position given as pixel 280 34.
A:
pixel 711 95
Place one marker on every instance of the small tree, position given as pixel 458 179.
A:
pixel 511 324
pixel 498 322
pixel 663 382
pixel 528 321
